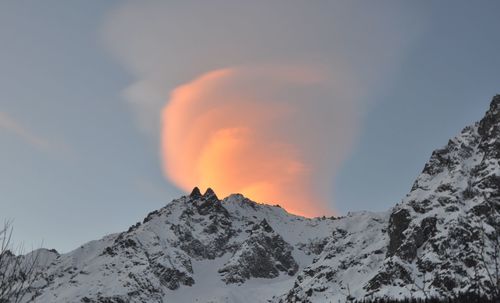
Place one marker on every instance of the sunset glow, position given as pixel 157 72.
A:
pixel 231 130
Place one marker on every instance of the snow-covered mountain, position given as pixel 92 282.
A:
pixel 441 239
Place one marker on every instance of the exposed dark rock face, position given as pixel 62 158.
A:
pixel 208 213
pixel 389 277
pixel 314 246
pixel 173 278
pixel 489 126
pixel 195 193
pixel 263 255
pixel 210 195
pixel 398 223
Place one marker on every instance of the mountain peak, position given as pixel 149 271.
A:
pixel 494 106
pixel 490 124
pixel 195 193
pixel 496 100
pixel 210 194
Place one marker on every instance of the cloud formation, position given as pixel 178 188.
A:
pixel 266 132
pixel 264 98
pixel 12 126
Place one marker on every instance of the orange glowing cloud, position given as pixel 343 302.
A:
pixel 278 132
pixel 269 133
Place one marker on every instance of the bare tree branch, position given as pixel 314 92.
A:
pixel 17 271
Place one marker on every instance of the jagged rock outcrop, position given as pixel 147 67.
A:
pixel 263 255
pixel 440 240
pixel 452 213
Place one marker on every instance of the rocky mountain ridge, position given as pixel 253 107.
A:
pixel 443 238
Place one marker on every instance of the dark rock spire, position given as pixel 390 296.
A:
pixel 490 124
pixel 210 194
pixel 195 193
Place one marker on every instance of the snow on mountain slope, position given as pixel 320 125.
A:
pixel 439 240
pixel 443 238
pixel 194 241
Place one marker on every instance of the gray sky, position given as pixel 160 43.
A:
pixel 82 85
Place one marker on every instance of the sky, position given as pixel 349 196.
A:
pixel 110 109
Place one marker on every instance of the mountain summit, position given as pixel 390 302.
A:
pixel 441 239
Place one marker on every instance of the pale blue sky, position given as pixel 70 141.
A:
pixel 75 164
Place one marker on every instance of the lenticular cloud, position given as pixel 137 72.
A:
pixel 249 110
pixel 271 133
